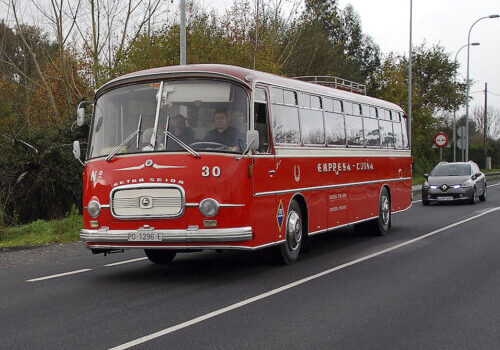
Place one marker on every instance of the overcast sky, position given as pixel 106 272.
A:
pixel 446 22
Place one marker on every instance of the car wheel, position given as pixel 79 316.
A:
pixel 160 256
pixel 474 199
pixel 482 197
pixel 382 225
pixel 425 202
pixel 290 248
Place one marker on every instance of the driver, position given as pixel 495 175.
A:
pixel 223 133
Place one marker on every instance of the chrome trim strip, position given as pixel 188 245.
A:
pixel 142 166
pixel 237 234
pixel 208 247
pixel 194 205
pixel 403 210
pixel 316 188
pixel 148 185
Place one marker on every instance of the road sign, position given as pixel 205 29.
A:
pixel 461 143
pixel 441 140
pixel 461 131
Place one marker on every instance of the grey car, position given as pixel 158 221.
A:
pixel 458 181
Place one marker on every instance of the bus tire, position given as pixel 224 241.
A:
pixel 290 248
pixel 382 224
pixel 160 256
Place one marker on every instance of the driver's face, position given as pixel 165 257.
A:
pixel 221 121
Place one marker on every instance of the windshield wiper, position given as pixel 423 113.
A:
pixel 247 149
pixel 137 132
pixel 185 146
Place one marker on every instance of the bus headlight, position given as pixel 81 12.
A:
pixel 209 207
pixel 94 208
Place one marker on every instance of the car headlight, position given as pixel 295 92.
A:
pixel 94 208
pixel 434 187
pixel 209 207
pixel 468 183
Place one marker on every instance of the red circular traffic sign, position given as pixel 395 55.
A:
pixel 441 140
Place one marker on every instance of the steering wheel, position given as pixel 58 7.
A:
pixel 210 145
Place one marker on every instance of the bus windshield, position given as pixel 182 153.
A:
pixel 206 115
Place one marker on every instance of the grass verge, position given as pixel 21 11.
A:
pixel 40 232
pixel 418 180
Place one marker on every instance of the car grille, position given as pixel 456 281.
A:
pixel 147 202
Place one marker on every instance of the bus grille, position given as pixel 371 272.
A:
pixel 149 202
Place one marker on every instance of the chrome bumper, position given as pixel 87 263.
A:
pixel 237 234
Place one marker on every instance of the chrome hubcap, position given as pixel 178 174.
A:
pixel 386 210
pixel 294 231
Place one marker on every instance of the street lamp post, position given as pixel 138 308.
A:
pixel 468 87
pixel 409 77
pixel 455 108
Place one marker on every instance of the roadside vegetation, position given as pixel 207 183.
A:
pixel 66 229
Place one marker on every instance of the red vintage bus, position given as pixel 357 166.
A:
pixel 195 157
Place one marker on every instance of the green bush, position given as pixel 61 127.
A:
pixel 39 232
pixel 41 184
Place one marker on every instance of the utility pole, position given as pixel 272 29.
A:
pixel 486 125
pixel 183 32
pixel 256 33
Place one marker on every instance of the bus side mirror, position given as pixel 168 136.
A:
pixel 80 116
pixel 252 140
pixel 76 151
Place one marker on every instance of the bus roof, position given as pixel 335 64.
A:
pixel 246 77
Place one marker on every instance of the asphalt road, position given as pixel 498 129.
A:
pixel 433 283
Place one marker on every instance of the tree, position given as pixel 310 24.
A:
pixel 435 93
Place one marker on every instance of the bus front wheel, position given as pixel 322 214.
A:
pixel 159 256
pixel 290 248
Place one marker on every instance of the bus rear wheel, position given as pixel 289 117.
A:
pixel 159 256
pixel 290 248
pixel 382 225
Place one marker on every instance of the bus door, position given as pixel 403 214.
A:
pixel 265 168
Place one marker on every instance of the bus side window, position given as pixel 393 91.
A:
pixel 261 120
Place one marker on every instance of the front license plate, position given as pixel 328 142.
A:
pixel 144 237
pixel 445 198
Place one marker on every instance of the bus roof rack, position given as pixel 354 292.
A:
pixel 334 82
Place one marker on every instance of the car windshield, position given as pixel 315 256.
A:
pixel 451 170
pixel 207 115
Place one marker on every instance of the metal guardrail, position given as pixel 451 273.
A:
pixel 335 82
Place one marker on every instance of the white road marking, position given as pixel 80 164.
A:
pixel 125 262
pixel 493 185
pixel 58 275
pixel 285 287
pixel 417 201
